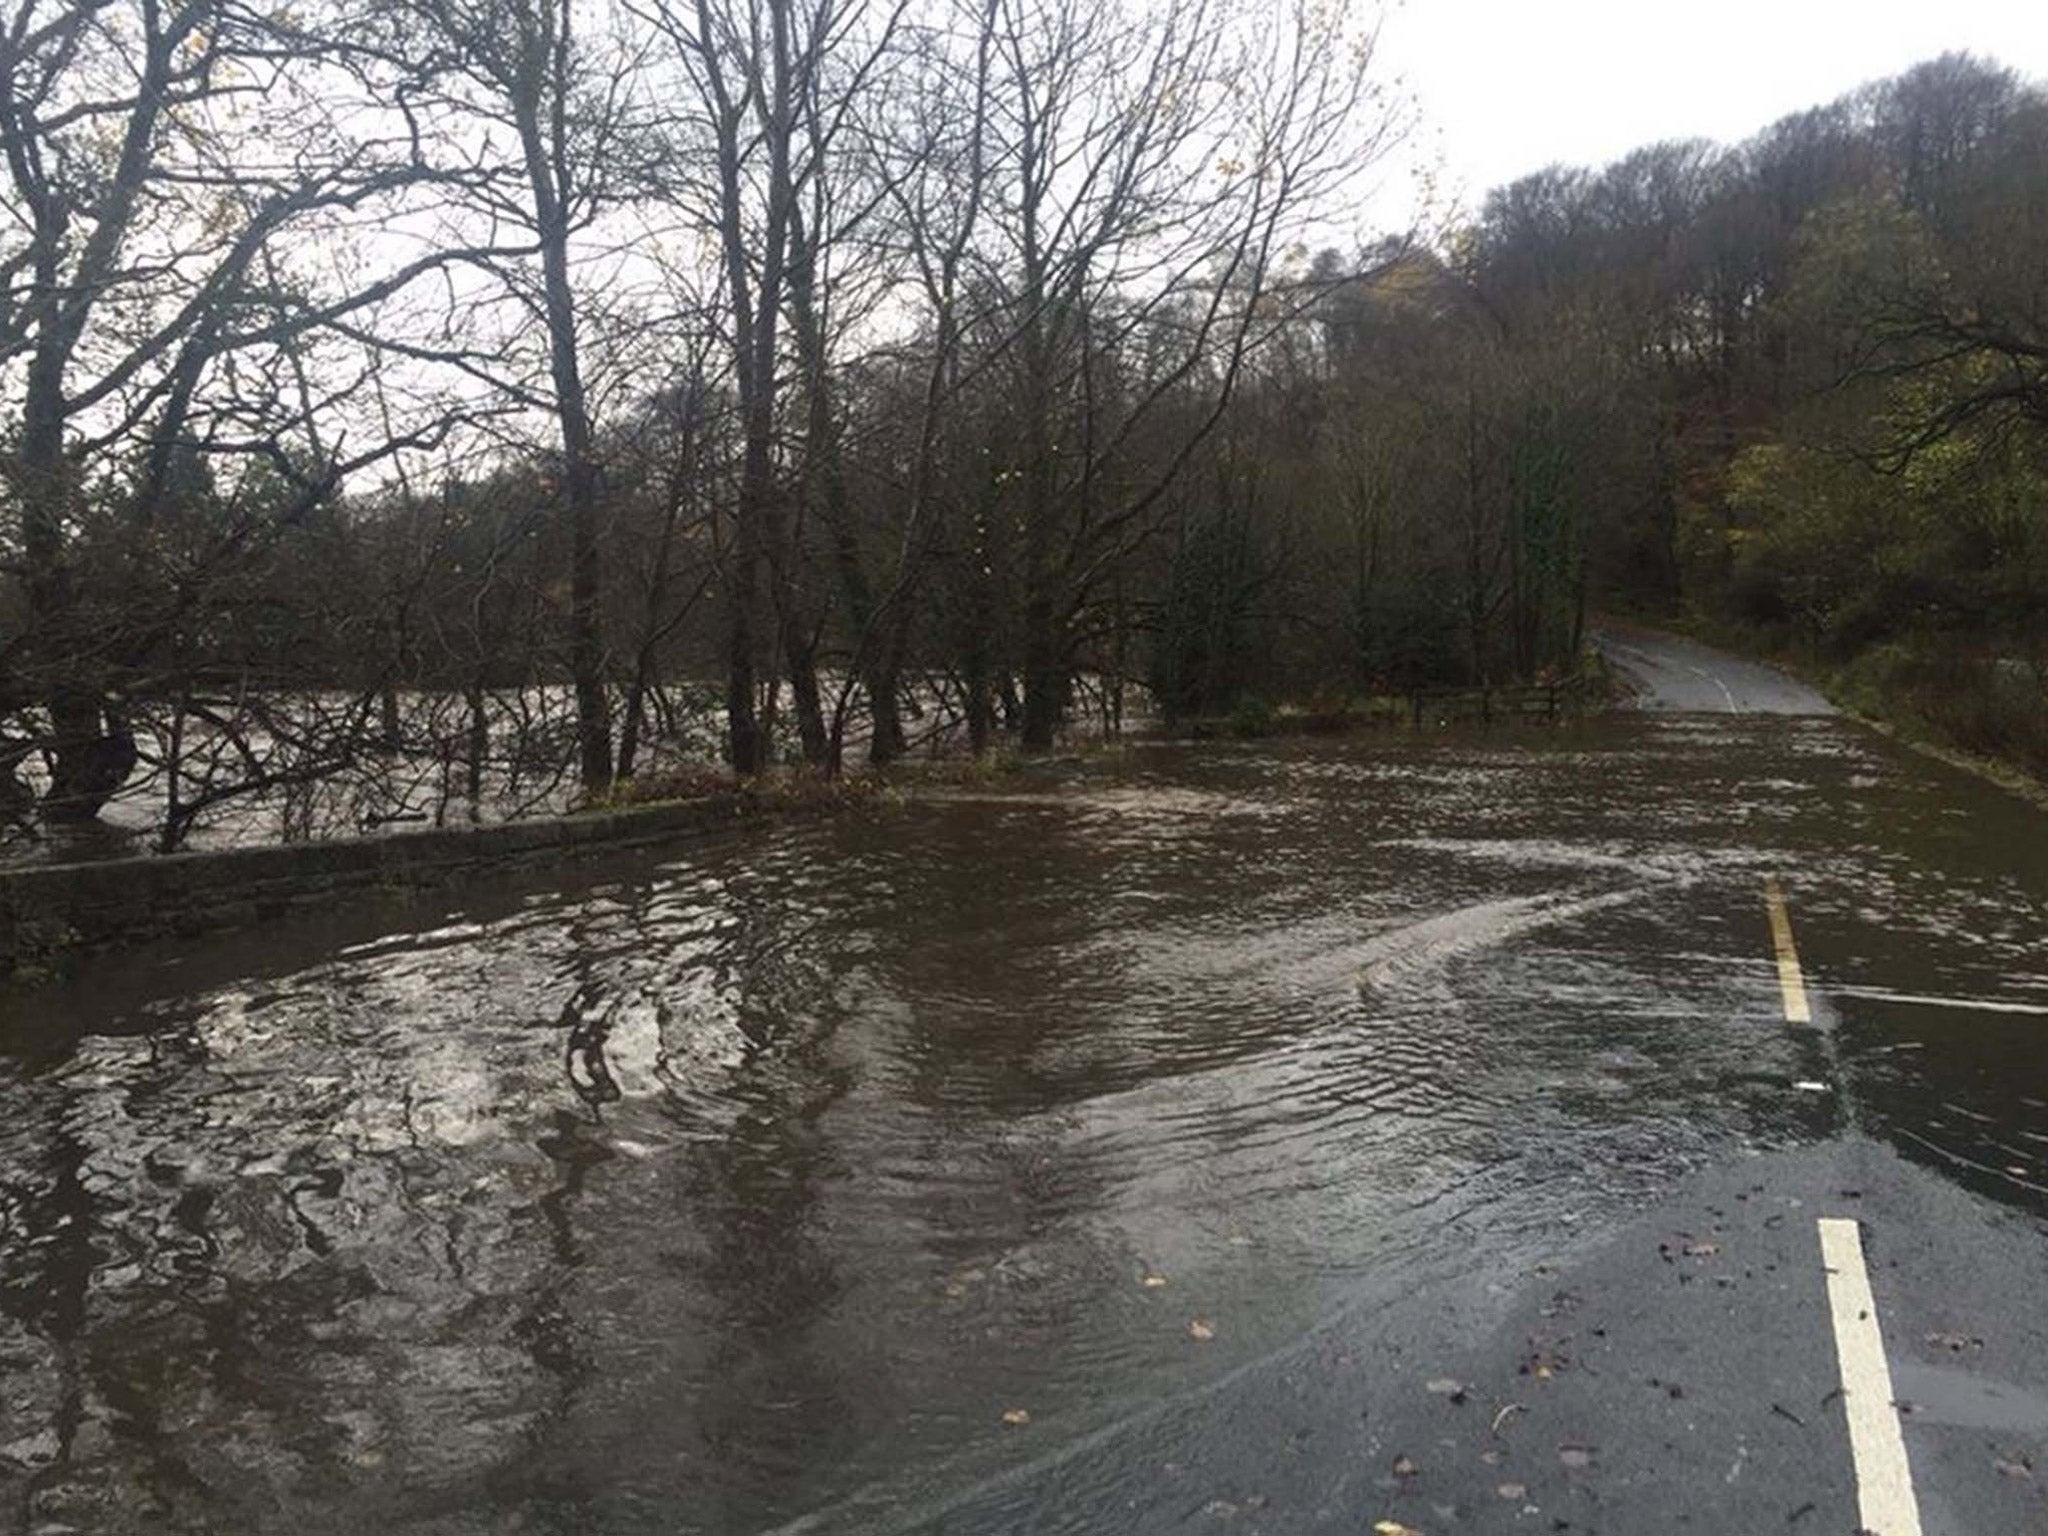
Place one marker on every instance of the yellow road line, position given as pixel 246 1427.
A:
pixel 1884 1483
pixel 1790 982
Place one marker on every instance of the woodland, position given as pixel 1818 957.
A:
pixel 444 409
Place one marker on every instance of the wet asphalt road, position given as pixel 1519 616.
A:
pixel 1258 1137
pixel 1670 673
pixel 1676 1374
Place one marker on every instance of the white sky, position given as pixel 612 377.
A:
pixel 1506 87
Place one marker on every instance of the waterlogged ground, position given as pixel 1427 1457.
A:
pixel 828 1175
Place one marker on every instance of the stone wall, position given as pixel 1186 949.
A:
pixel 51 915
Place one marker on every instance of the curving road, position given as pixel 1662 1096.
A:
pixel 1674 674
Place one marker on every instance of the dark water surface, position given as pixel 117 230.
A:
pixel 711 1194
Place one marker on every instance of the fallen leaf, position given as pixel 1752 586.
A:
pixel 1404 1466
pixel 1153 1282
pixel 1512 1491
pixel 1576 1456
pixel 1501 1417
pixel 1393 1528
pixel 2020 1465
pixel 1444 1386
pixel 1201 1329
pixel 1016 1415
pixel 1701 1250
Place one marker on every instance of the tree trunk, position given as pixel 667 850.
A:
pixel 801 651
pixel 390 735
pixel 90 758
pixel 477 749
pixel 633 723
pixel 744 745
pixel 756 307
pixel 579 470
pixel 91 752
pixel 885 739
pixel 1044 676
pixel 978 685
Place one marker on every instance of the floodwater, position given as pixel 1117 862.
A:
pixel 753 1188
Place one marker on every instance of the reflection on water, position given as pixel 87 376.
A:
pixel 766 1181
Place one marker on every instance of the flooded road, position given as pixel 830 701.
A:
pixel 824 1176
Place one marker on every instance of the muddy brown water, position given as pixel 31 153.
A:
pixel 753 1188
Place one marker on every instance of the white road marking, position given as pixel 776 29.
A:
pixel 1715 679
pixel 1791 981
pixel 1884 1483
pixel 1653 663
pixel 1925 1000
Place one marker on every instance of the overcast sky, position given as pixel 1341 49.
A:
pixel 1506 87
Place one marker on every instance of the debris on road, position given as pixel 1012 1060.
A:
pixel 1954 1343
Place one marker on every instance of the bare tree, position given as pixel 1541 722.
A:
pixel 777 81
pixel 1152 173
pixel 567 98
pixel 165 165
